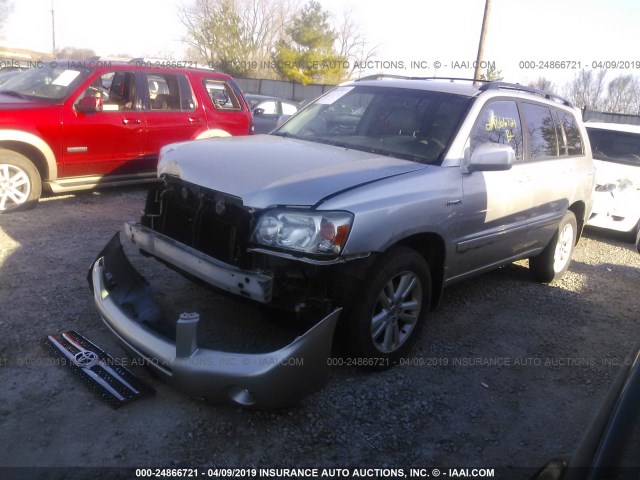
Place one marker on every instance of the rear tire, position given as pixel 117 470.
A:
pixel 388 311
pixel 20 183
pixel 551 265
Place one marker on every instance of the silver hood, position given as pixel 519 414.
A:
pixel 267 170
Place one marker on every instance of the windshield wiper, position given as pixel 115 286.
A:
pixel 13 93
pixel 284 135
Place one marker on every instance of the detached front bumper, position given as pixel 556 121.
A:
pixel 269 380
pixel 615 211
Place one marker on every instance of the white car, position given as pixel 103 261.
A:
pixel 616 156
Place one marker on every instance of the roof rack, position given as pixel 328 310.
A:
pixel 523 88
pixel 382 76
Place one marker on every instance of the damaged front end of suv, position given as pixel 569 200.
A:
pixel 368 202
pixel 266 380
pixel 288 257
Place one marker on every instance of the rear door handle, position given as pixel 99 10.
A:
pixel 195 120
pixel 129 121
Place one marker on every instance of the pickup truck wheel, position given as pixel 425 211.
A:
pixel 554 260
pixel 20 184
pixel 388 311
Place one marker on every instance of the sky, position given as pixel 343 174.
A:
pixel 526 38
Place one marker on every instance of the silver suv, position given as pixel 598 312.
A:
pixel 364 204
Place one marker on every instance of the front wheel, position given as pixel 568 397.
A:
pixel 20 183
pixel 553 262
pixel 389 309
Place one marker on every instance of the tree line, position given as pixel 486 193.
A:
pixel 288 40
pixel 274 39
pixel 592 90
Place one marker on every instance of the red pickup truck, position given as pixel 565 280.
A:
pixel 76 125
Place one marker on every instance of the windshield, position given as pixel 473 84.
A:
pixel 48 83
pixel 411 124
pixel 615 146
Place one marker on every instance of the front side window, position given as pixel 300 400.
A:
pixel 116 90
pixel 543 138
pixel 499 122
pixel 412 124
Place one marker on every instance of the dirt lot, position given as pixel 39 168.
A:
pixel 556 348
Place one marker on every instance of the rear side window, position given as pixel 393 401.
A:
pixel 571 143
pixel 288 109
pixel 269 107
pixel 499 122
pixel 170 92
pixel 543 138
pixel 222 95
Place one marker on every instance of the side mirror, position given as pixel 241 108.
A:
pixel 490 157
pixel 258 111
pixel 554 470
pixel 89 105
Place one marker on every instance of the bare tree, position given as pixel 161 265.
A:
pixel 542 83
pixel 6 7
pixel 212 30
pixel 235 35
pixel 265 23
pixel 73 53
pixel 352 45
pixel 622 95
pixel 586 89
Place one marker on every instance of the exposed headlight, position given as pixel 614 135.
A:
pixel 303 231
pixel 607 187
pixel 621 185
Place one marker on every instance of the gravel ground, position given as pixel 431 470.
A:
pixel 555 347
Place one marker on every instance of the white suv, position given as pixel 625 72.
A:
pixel 616 156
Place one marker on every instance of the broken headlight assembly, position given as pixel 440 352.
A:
pixel 310 232
pixel 623 185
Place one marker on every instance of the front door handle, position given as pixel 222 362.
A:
pixel 129 121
